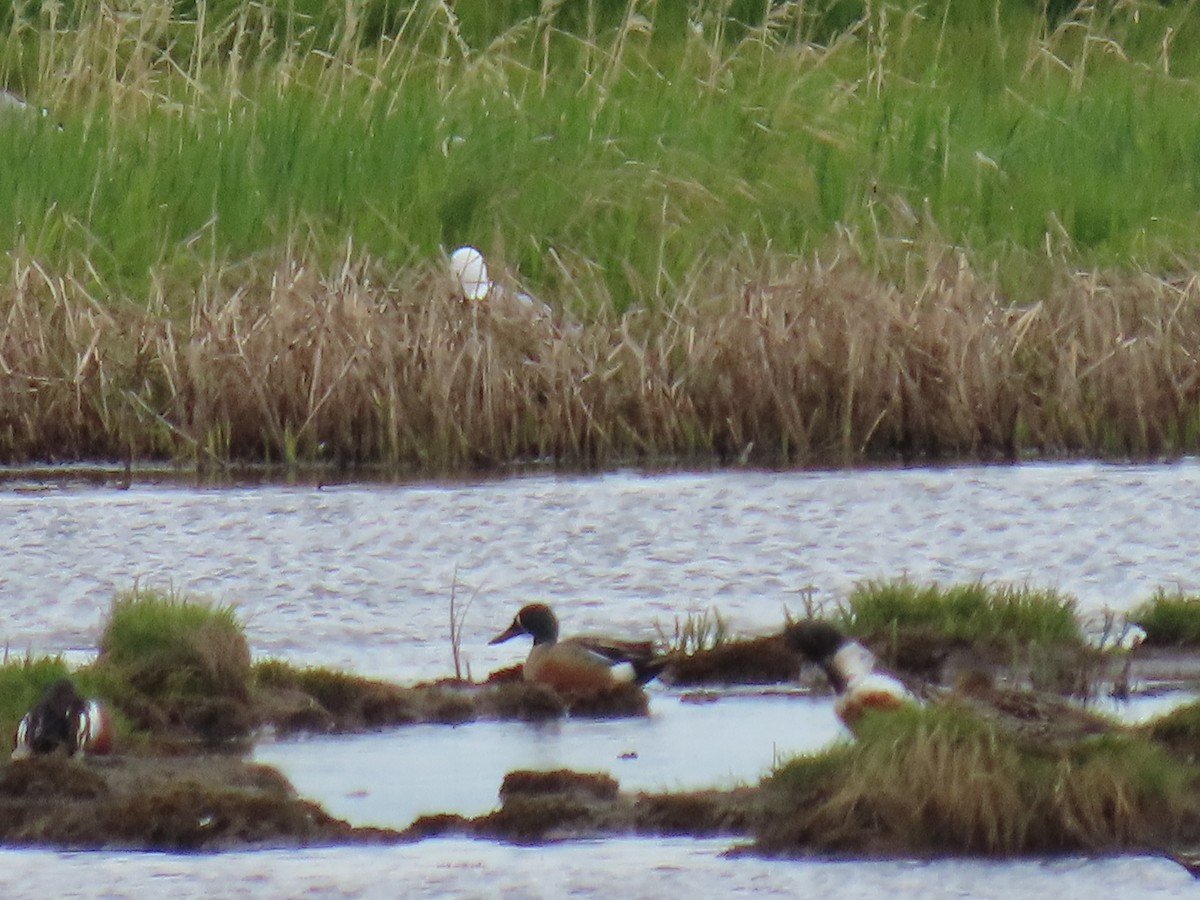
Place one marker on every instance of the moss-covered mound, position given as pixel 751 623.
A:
pixel 759 660
pixel 559 805
pixel 176 668
pixel 1178 732
pixel 161 803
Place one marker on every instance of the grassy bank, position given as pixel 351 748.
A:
pixel 788 232
pixel 176 676
pixel 941 781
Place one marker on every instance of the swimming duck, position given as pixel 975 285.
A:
pixel 578 666
pixel 63 719
pixel 852 670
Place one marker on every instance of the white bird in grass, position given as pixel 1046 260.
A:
pixel 469 269
pixel 470 272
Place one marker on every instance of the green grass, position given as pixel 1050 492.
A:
pixel 939 780
pixel 334 690
pixel 975 611
pixel 635 149
pixel 167 647
pixel 1170 618
pixel 22 681
pixel 1178 730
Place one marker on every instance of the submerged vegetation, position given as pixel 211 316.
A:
pixel 784 231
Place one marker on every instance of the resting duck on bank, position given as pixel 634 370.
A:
pixel 852 670
pixel 63 719
pixel 579 666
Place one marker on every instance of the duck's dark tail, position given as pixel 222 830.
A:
pixel 648 669
pixel 639 655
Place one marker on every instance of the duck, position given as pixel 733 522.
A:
pixel 62 719
pixel 861 685
pixel 579 667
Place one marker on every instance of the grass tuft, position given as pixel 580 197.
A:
pixel 1170 618
pixel 694 633
pixel 991 615
pixel 167 647
pixel 940 780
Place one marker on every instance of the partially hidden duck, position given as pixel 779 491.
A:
pixel 861 685
pixel 63 720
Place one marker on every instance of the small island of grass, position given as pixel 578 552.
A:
pixel 968 772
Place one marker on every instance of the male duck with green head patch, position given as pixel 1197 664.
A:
pixel 579 666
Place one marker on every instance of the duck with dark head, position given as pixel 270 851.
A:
pixel 63 720
pixel 860 684
pixel 579 666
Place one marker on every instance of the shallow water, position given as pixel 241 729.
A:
pixel 614 868
pixel 630 869
pixel 390 777
pixel 401 773
pixel 360 576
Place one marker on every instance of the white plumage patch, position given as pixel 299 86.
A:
pixel 624 673
pixel 467 265
pixel 866 687
pixel 853 660
pixel 93 718
pixel 21 747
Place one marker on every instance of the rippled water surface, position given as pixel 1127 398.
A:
pixel 359 576
pixel 602 869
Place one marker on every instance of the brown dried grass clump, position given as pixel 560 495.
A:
pixel 162 803
pixel 779 361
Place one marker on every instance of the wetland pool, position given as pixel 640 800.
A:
pixel 359 576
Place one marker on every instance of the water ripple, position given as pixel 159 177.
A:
pixel 361 575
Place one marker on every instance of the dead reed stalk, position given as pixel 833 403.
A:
pixel 779 361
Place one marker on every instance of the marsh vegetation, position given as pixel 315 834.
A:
pixel 1013 767
pixel 787 232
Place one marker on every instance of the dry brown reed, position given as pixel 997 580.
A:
pixel 773 361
